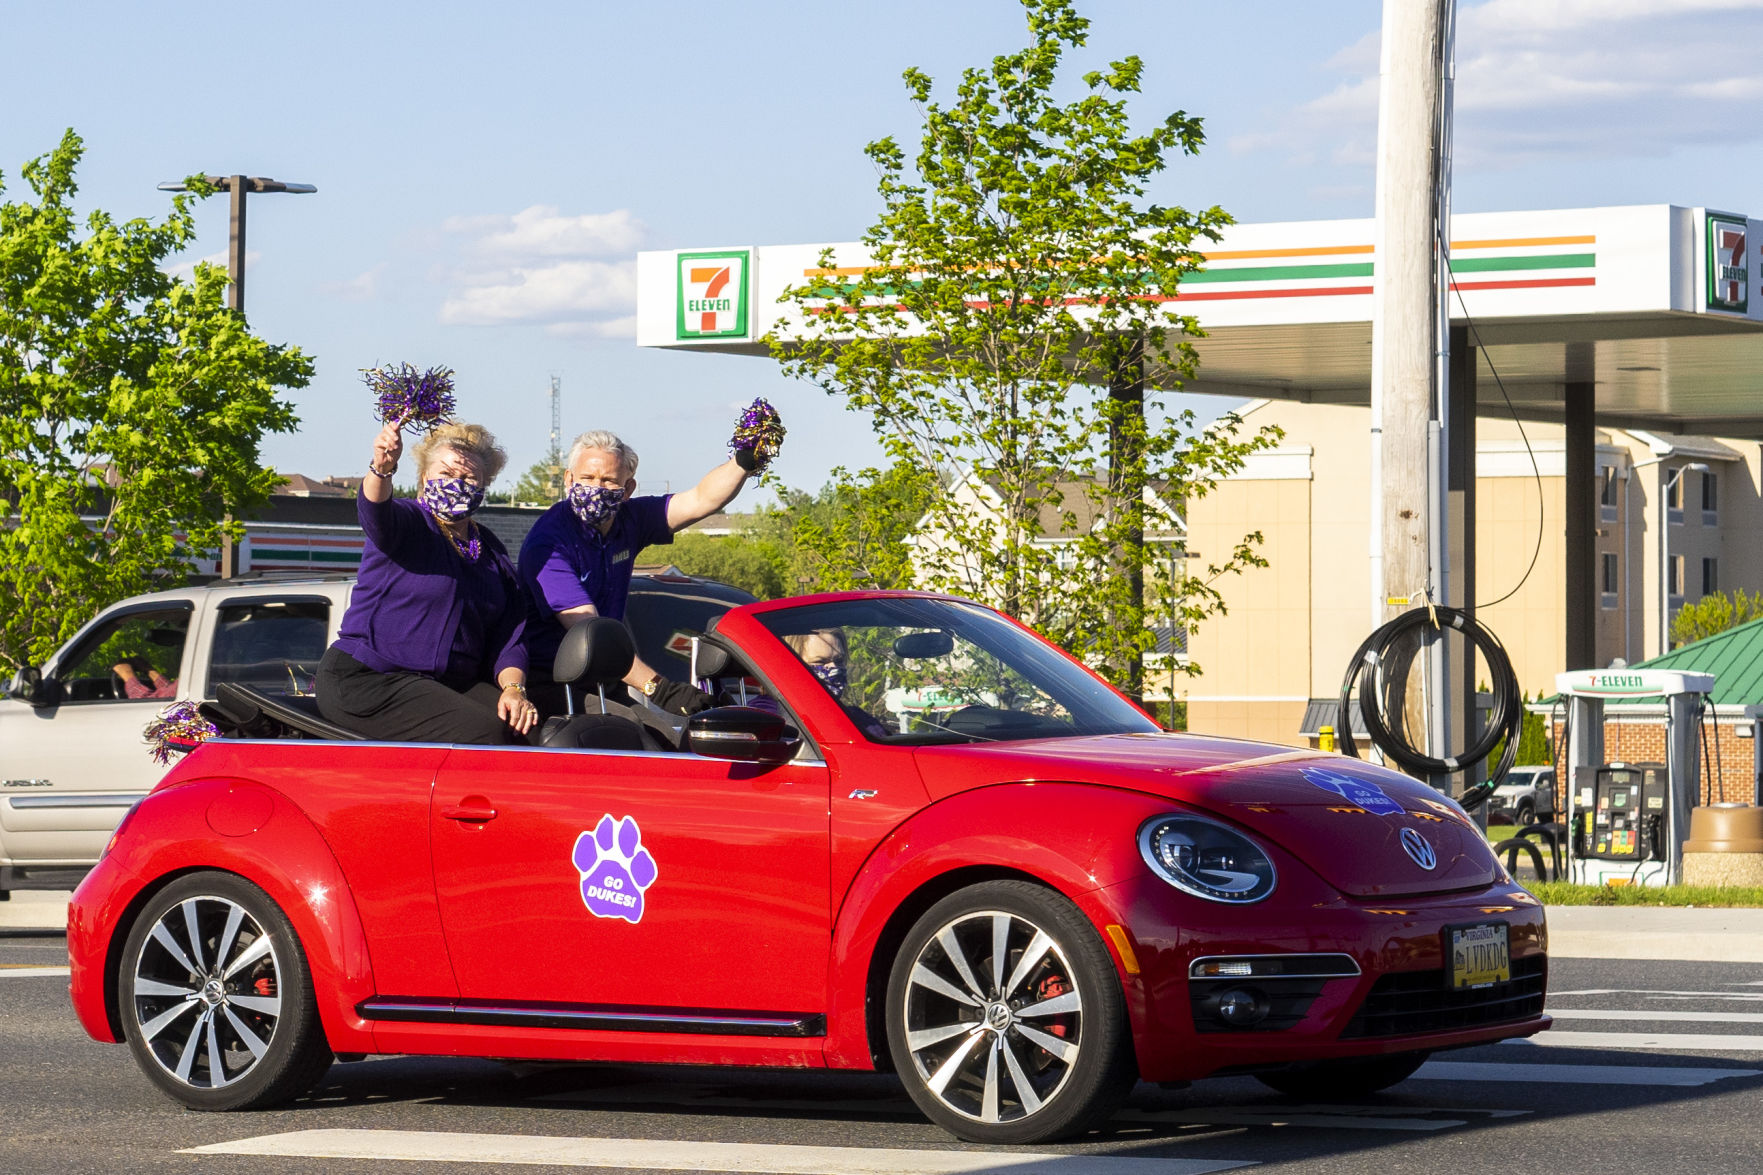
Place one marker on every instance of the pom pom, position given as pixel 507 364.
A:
pixel 420 401
pixel 759 434
pixel 178 728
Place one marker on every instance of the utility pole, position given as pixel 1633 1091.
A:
pixel 1408 535
pixel 554 455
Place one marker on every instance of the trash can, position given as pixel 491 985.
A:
pixel 1725 846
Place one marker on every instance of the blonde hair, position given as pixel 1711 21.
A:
pixel 473 440
pixel 834 638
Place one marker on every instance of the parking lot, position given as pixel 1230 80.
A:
pixel 1653 1065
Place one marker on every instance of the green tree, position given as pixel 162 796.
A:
pixel 538 485
pixel 1715 613
pixel 854 532
pixel 1015 324
pixel 132 405
pixel 745 561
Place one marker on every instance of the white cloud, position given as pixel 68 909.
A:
pixel 359 288
pixel 573 275
pixel 1586 78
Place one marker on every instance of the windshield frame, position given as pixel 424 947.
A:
pixel 1093 706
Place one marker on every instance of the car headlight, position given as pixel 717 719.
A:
pixel 1206 859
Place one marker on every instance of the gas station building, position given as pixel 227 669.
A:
pixel 1629 340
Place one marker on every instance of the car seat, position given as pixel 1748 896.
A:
pixel 597 653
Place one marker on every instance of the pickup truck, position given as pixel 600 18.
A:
pixel 73 758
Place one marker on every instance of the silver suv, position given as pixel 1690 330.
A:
pixel 72 753
pixel 1527 795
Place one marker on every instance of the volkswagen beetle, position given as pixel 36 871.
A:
pixel 912 836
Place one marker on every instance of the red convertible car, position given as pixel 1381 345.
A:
pixel 914 837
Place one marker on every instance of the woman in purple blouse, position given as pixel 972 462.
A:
pixel 431 647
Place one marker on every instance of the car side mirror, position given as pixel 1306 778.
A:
pixel 28 686
pixel 745 734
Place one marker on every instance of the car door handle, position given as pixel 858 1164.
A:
pixel 471 810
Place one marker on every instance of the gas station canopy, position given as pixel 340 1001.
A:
pixel 1657 306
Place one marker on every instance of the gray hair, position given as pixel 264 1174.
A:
pixel 599 438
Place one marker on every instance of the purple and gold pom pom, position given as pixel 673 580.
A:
pixel 178 728
pixel 420 401
pixel 759 434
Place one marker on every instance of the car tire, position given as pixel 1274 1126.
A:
pixel 216 999
pixel 1525 813
pixel 1020 1043
pixel 1335 1080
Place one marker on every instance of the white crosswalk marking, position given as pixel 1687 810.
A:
pixel 661 1154
pixel 1664 1042
pixel 1660 1017
pixel 1545 1075
pixel 10 971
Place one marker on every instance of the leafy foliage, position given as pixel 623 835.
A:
pixel 538 485
pixel 1715 613
pixel 850 534
pixel 1015 324
pixel 132 405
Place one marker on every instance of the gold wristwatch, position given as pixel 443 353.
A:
pixel 653 684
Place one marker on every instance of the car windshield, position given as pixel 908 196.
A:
pixel 918 672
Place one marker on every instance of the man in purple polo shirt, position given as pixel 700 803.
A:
pixel 576 561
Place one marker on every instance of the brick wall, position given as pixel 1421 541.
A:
pixel 1731 776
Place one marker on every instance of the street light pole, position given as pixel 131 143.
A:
pixel 238 187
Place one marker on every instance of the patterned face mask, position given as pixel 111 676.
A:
pixel 832 676
pixel 594 503
pixel 451 498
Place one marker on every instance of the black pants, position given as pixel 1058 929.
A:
pixel 406 707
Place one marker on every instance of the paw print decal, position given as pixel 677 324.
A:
pixel 1359 792
pixel 615 869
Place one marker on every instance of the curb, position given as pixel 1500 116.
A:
pixel 34 910
pixel 1677 933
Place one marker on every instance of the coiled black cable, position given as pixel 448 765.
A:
pixel 1505 720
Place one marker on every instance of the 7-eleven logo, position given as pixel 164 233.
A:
pixel 1728 277
pixel 713 294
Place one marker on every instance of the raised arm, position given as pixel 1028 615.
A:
pixel 383 525
pixel 714 491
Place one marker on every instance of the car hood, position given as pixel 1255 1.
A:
pixel 1366 830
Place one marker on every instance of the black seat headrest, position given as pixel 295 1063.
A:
pixel 713 660
pixel 598 651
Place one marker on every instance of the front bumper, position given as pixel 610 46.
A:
pixel 1398 1003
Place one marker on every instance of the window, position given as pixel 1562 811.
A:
pixel 1607 490
pixel 134 657
pixel 1674 495
pixel 1710 576
pixel 270 645
pixel 1710 499
pixel 1609 580
pixel 1674 577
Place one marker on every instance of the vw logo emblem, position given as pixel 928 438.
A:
pixel 1416 847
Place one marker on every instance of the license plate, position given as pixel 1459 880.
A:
pixel 1480 956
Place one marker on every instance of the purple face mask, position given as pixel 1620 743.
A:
pixel 832 675
pixel 450 498
pixel 594 504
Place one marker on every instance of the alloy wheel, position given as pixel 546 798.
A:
pixel 993 1016
pixel 207 991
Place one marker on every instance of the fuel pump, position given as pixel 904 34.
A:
pixel 1629 820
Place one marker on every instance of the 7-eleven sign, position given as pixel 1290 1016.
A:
pixel 1728 276
pixel 713 294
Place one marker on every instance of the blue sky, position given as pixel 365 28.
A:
pixel 486 174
